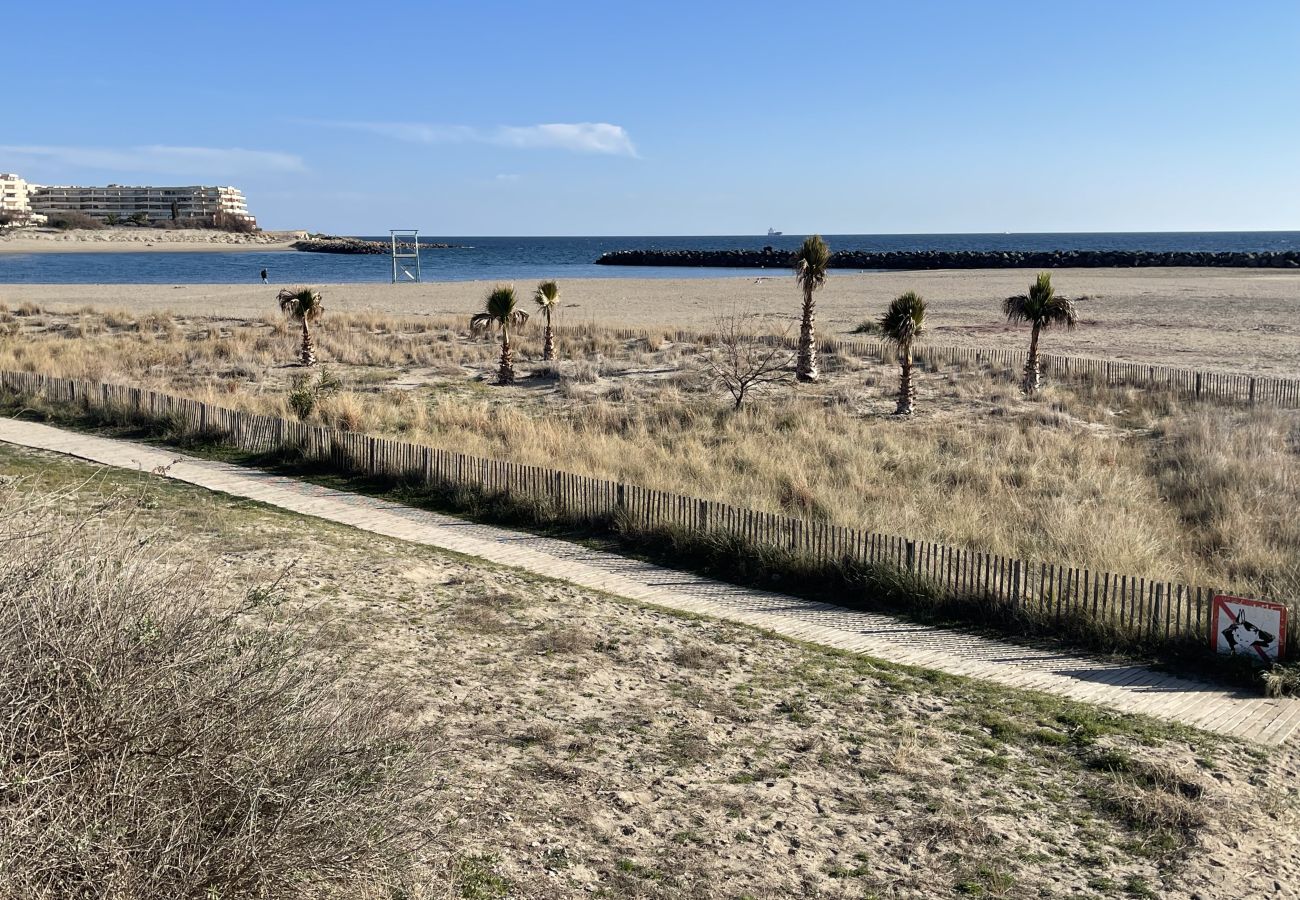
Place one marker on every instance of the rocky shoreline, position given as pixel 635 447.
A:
pixel 770 258
pixel 332 244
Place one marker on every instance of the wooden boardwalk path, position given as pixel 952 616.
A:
pixel 1117 686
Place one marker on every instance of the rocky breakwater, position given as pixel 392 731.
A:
pixel 330 244
pixel 771 258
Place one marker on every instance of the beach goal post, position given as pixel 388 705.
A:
pixel 405 254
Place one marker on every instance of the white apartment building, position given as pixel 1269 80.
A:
pixel 157 203
pixel 14 193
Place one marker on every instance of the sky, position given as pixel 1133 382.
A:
pixel 613 118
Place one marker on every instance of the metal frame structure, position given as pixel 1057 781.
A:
pixel 403 259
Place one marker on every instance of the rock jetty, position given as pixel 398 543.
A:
pixel 771 258
pixel 323 243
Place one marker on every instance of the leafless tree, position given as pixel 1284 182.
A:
pixel 743 363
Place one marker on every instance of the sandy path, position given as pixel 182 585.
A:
pixel 1231 319
pixel 1117 686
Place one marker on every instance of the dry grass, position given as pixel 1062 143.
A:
pixel 646 755
pixel 1114 480
pixel 159 741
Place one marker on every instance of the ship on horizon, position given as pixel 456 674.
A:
pixel 772 232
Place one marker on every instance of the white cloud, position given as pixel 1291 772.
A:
pixel 584 137
pixel 504 177
pixel 579 137
pixel 193 162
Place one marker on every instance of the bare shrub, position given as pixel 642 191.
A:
pixel 157 744
pixel 741 364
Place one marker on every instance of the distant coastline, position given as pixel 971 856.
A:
pixel 144 240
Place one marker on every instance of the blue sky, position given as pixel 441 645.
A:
pixel 491 118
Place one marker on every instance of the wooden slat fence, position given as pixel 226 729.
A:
pixel 1200 384
pixel 1151 611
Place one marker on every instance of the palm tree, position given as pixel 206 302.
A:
pixel 1041 308
pixel 547 298
pixel 500 311
pixel 901 324
pixel 302 305
pixel 811 261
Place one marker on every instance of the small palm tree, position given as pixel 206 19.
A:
pixel 302 305
pixel 547 298
pixel 811 261
pixel 1041 308
pixel 500 311
pixel 901 324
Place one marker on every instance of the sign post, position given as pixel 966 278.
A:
pixel 1249 627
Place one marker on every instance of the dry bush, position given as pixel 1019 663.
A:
pixel 159 745
pixel 742 365
pixel 563 639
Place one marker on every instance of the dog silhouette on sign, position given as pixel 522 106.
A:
pixel 1241 631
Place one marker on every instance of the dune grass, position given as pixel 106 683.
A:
pixel 1112 479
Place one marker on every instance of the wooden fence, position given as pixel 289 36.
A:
pixel 1150 611
pixel 1200 384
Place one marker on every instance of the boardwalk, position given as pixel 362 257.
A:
pixel 1125 688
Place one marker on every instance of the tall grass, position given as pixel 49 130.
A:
pixel 1109 478
pixel 161 740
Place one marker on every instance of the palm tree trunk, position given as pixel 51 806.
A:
pixel 906 390
pixel 506 374
pixel 548 344
pixel 806 366
pixel 1032 380
pixel 307 355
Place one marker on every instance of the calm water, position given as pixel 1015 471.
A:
pixel 529 258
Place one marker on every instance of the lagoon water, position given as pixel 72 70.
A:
pixel 531 258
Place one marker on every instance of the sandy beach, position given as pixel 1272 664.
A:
pixel 136 240
pixel 1226 319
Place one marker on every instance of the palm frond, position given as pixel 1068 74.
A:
pixel 904 320
pixel 301 304
pixel 547 295
pixel 811 262
pixel 501 302
pixel 1016 308
pixel 1061 311
pixel 1041 306
pixel 499 311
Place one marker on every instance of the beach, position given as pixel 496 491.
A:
pixel 1223 319
pixel 138 240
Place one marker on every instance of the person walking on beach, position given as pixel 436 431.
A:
pixel 264 276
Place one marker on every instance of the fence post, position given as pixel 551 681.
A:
pixel 621 499
pixel 911 556
pixel 1252 390
pixel 1155 610
pixel 1016 593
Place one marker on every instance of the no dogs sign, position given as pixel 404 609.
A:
pixel 1238 625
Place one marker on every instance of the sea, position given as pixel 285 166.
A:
pixel 530 258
